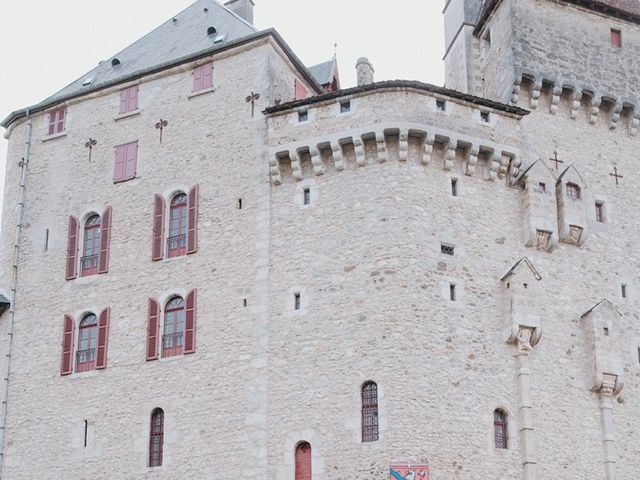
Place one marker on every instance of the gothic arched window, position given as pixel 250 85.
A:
pixel 87 343
pixel 369 412
pixel 91 246
pixel 303 461
pixel 500 428
pixel 177 240
pixel 174 323
pixel 156 438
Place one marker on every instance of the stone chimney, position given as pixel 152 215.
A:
pixel 242 8
pixel 365 71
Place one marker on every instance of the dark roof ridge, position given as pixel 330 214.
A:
pixel 399 84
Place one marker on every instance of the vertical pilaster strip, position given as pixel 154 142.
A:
pixel 525 407
pixel 358 146
pixel 607 393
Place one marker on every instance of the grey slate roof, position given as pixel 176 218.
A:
pixel 182 35
pixel 322 71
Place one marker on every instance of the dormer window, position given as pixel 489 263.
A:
pixel 115 62
pixel 211 31
pixel 573 191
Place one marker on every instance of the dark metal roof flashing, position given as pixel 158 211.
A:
pixel 397 85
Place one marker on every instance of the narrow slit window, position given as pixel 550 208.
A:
pixel 296 301
pixel 624 290
pixel 307 196
pixel 239 204
pixel 542 186
pixel 638 354
pixel 454 187
pixel 86 431
pixel 244 302
pixel 616 38
pixel 303 116
pixel 156 438
pixel 600 212
pixel 452 292
pixel 345 107
pixel 485 117
pixel 46 240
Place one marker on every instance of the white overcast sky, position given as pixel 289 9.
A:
pixel 46 44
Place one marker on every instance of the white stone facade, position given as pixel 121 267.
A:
pixel 525 333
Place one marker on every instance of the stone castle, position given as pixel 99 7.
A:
pixel 220 264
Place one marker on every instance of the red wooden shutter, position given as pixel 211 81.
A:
pixel 303 461
pixel 197 79
pixel 72 248
pixel 105 240
pixel 190 322
pixel 153 329
pixel 300 90
pixel 131 161
pixel 118 170
pixel 192 220
pixel 103 339
pixel 158 228
pixel 66 366
pixel 207 75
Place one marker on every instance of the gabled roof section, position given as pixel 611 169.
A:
pixel 624 9
pixel 572 171
pixel 604 303
pixel 323 71
pixel 522 261
pixel 538 166
pixel 184 34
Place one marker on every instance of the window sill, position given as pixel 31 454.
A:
pixel 127 115
pixel 204 91
pixel 115 182
pixel 54 136
pixel 172 358
pixel 87 374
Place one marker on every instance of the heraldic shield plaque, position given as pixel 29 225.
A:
pixel 409 471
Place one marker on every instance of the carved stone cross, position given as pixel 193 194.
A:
pixel 90 144
pixel 253 98
pixel 556 159
pixel 616 175
pixel 160 125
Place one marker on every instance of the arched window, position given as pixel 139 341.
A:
pixel 156 438
pixel 91 246
pixel 174 322
pixel 500 428
pixel 177 240
pixel 87 343
pixel 303 461
pixel 573 191
pixel 369 412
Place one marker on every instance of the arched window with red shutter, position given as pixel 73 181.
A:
pixel 66 364
pixel 89 261
pixel 501 428
pixel 303 461
pixel 178 226
pixel 156 438
pixel 369 412
pixel 174 327
pixel 153 329
pixel 87 343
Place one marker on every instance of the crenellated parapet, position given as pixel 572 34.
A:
pixel 619 110
pixel 395 142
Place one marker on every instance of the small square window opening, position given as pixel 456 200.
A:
pixel 447 249
pixel 606 331
pixel 345 107
pixel 543 187
pixel 484 116
pixel 296 301
pixel 441 105
pixel 303 116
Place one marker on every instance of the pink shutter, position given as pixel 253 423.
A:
pixel 118 170
pixel 190 322
pixel 72 248
pixel 131 160
pixel 62 113
pixel 105 240
pixel 66 366
pixel 153 329
pixel 192 220
pixel 197 79
pixel 52 123
pixel 133 98
pixel 207 75
pixel 300 89
pixel 158 228
pixel 103 339
pixel 124 100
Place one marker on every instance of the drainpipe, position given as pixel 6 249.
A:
pixel 609 390
pixel 14 283
pixel 525 407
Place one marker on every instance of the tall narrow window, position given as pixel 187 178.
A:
pixel 203 77
pixel 174 322
pixel 600 212
pixel 57 120
pixel 87 344
pixel 296 301
pixel 91 246
pixel 454 187
pixel 573 191
pixel 616 38
pixel 452 292
pixel 500 429
pixel 156 438
pixel 306 196
pixel 177 241
pixel 129 99
pixel 370 412
pixel 303 461
pixel 624 290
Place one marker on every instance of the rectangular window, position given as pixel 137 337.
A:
pixel 126 162
pixel 452 292
pixel 203 77
pixel 484 116
pixel 616 38
pixel 624 290
pixel 129 99
pixel 307 196
pixel 454 187
pixel 296 301
pixel 441 105
pixel 46 240
pixel 57 120
pixel 345 107
pixel 543 187
pixel 600 212
pixel 638 354
pixel 446 249
pixel 303 116
pixel 301 91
